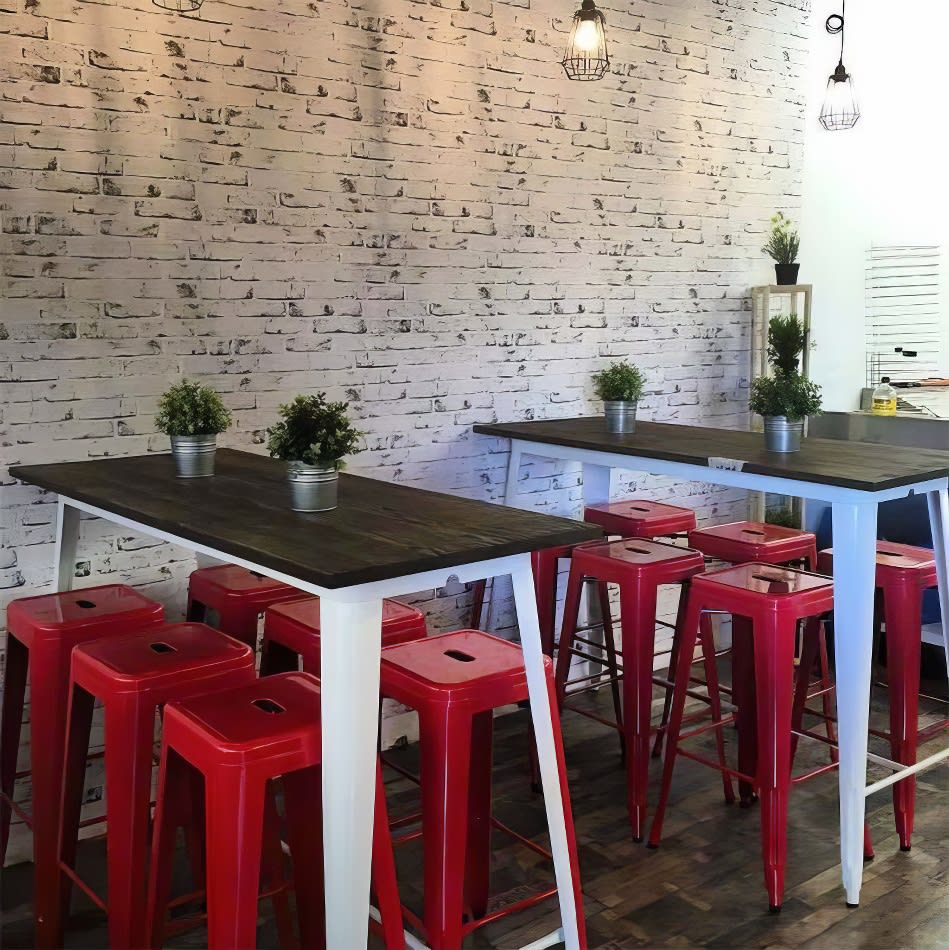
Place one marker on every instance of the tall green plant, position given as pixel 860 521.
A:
pixel 783 241
pixel 786 341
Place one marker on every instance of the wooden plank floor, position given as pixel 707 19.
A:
pixel 702 888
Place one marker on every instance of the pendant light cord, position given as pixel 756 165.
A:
pixel 835 24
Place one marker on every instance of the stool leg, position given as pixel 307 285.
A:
pixel 609 644
pixel 384 881
pixel 478 850
pixel 444 741
pixel 176 780
pixel 195 611
pixel 545 586
pixel 774 672
pixel 14 691
pixel 810 651
pixel 129 736
pixel 687 635
pixel 744 696
pixel 638 608
pixel 571 613
pixel 79 719
pixel 477 603
pixel 274 871
pixel 827 704
pixel 670 674
pixel 903 612
pixel 49 683
pixel 235 815
pixel 302 792
pixel 707 640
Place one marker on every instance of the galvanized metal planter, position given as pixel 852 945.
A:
pixel 312 487
pixel 194 455
pixel 620 416
pixel 782 434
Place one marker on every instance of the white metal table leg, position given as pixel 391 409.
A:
pixel 854 529
pixel 939 521
pixel 513 468
pixel 522 580
pixel 67 541
pixel 350 653
pixel 596 484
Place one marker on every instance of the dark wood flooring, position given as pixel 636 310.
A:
pixel 702 888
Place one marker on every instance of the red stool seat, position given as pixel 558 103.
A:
pixel 133 676
pixel 903 573
pixel 239 740
pixel 42 633
pixel 455 681
pixel 773 599
pixel 292 630
pixel 638 518
pixel 639 567
pixel 744 541
pixel 232 598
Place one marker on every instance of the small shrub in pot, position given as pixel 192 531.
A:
pixel 193 416
pixel 620 386
pixel 782 247
pixel 313 435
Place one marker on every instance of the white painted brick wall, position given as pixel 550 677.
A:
pixel 405 205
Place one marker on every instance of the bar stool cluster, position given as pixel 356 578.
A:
pixel 240 733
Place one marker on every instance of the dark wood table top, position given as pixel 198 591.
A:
pixel 857 465
pixel 379 531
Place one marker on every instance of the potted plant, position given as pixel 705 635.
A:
pixel 783 245
pixel 620 386
pixel 787 398
pixel 313 435
pixel 192 415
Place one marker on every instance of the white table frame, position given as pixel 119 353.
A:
pixel 350 631
pixel 854 519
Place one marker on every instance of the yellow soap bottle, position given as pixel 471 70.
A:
pixel 884 399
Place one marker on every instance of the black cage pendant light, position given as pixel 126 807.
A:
pixel 840 109
pixel 585 57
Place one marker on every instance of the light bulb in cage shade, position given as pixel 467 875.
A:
pixel 179 6
pixel 586 57
pixel 840 109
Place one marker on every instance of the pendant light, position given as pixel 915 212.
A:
pixel 585 57
pixel 840 109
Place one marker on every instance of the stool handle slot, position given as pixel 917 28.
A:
pixel 85 604
pixel 634 550
pixel 752 531
pixel 269 706
pixel 461 657
pixel 161 647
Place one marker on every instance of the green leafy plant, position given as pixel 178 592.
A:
pixel 784 516
pixel 313 431
pixel 786 341
pixel 619 382
pixel 783 241
pixel 191 409
pixel 788 395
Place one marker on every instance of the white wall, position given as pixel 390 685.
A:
pixel 882 182
pixel 406 205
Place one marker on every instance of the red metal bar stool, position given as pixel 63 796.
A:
pixel 639 567
pixel 231 598
pixel 133 676
pixel 903 572
pixel 42 633
pixel 742 542
pixel 638 518
pixel 240 740
pixel 455 681
pixel 774 600
pixel 292 631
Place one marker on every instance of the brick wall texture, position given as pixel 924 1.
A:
pixel 406 205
